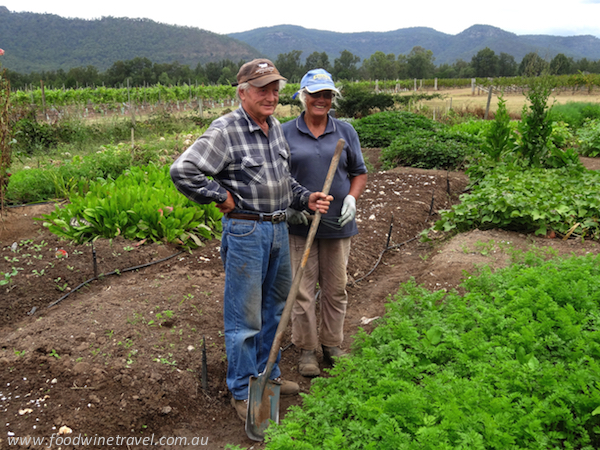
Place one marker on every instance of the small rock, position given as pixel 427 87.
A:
pixel 166 410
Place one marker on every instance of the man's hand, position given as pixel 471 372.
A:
pixel 348 210
pixel 228 205
pixel 318 201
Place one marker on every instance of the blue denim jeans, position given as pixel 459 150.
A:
pixel 258 277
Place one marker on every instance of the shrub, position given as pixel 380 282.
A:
pixel 380 129
pixel 588 138
pixel 360 101
pixel 425 149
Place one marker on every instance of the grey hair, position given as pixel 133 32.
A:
pixel 302 93
pixel 245 86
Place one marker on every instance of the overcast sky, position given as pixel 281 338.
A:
pixel 555 17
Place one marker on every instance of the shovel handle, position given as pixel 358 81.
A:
pixel 289 303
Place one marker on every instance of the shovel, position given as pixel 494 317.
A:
pixel 263 394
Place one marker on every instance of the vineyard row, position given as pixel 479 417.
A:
pixel 219 93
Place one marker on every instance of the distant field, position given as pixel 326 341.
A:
pixel 463 99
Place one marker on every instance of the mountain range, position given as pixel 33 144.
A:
pixel 45 42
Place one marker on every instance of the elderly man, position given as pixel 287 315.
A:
pixel 242 164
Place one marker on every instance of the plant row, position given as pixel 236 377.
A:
pixel 511 364
pixel 141 204
pixel 161 93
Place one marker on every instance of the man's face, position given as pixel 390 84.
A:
pixel 260 102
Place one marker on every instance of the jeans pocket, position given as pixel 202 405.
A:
pixel 241 228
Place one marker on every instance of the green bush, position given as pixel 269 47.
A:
pixel 30 186
pixel 442 149
pixel 360 101
pixel 510 364
pixel 380 129
pixel 574 113
pixel 530 200
pixel 588 137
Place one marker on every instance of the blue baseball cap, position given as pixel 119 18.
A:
pixel 318 80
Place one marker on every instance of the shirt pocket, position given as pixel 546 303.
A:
pixel 253 169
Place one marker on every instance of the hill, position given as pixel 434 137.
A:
pixel 446 48
pixel 44 42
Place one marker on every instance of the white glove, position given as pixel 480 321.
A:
pixel 348 210
pixel 295 217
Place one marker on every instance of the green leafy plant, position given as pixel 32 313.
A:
pixel 510 363
pixel 380 129
pixel 360 101
pixel 588 137
pixel 6 277
pixel 442 149
pixel 500 136
pixel 140 204
pixel 534 200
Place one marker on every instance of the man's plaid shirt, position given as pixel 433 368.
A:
pixel 241 159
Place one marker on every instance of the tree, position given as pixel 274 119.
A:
pixel 380 66
pixel 532 65
pixel 317 60
pixel 485 63
pixel 289 65
pixel 420 63
pixel 344 67
pixel 463 69
pixel 561 65
pixel 507 66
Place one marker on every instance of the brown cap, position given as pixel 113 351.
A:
pixel 259 73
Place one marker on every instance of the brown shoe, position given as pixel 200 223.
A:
pixel 329 353
pixel 241 407
pixel 308 365
pixel 288 387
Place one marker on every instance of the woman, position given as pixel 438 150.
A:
pixel 312 138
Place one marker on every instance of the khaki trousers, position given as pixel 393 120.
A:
pixel 326 265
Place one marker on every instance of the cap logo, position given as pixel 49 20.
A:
pixel 321 76
pixel 264 68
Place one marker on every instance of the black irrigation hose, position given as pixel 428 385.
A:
pixel 111 273
pixel 387 247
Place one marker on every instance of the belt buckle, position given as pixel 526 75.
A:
pixel 278 218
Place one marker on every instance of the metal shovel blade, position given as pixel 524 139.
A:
pixel 263 406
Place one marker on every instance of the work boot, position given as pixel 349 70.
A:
pixel 287 387
pixel 308 366
pixel 329 353
pixel 241 407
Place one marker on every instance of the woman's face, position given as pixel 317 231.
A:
pixel 318 103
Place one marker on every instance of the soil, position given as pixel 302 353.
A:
pixel 108 339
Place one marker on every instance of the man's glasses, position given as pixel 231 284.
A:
pixel 327 95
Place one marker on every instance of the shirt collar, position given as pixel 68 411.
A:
pixel 303 128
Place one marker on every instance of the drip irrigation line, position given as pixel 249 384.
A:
pixel 387 247
pixel 111 273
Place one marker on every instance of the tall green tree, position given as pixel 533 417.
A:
pixel 380 66
pixel 507 66
pixel 561 65
pixel 289 65
pixel 317 60
pixel 532 65
pixel 420 63
pixel 344 67
pixel 485 63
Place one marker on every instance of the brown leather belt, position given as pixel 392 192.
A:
pixel 275 218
